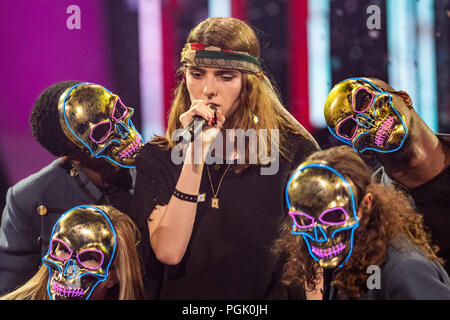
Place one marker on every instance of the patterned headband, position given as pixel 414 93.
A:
pixel 197 55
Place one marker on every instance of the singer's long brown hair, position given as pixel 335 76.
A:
pixel 259 99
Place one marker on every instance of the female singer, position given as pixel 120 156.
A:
pixel 213 216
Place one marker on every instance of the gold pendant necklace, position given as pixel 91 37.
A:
pixel 215 199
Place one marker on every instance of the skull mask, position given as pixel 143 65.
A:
pixel 95 119
pixel 362 115
pixel 81 250
pixel 322 204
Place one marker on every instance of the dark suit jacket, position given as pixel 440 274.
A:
pixel 406 274
pixel 26 226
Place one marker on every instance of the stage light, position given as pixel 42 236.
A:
pixel 151 73
pixel 319 70
pixel 219 8
pixel 412 54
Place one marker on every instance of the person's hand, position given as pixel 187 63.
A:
pixel 198 108
pixel 209 134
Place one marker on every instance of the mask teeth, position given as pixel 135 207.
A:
pixel 329 252
pixel 131 148
pixel 67 292
pixel 384 131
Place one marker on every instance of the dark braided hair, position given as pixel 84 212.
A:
pixel 44 120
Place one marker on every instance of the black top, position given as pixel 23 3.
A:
pixel 406 274
pixel 432 200
pixel 228 254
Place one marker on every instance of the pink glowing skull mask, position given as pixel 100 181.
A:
pixel 362 115
pixel 96 120
pixel 322 206
pixel 80 253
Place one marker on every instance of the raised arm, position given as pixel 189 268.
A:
pixel 170 226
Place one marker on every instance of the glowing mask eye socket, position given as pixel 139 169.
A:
pixel 91 259
pixel 382 100
pixel 101 131
pixel 119 110
pixel 334 216
pixel 362 99
pixel 59 250
pixel 302 220
pixel 347 128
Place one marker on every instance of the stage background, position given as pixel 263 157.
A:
pixel 133 48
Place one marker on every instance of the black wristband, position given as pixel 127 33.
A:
pixel 184 196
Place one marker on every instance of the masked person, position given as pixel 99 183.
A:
pixel 366 237
pixel 92 255
pixel 376 120
pixel 212 216
pixel 91 130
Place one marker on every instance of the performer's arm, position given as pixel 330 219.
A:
pixel 171 226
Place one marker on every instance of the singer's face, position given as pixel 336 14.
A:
pixel 220 87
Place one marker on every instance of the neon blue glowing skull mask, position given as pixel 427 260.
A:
pixel 95 119
pixel 81 250
pixel 322 206
pixel 363 116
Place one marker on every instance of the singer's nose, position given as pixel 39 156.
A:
pixel 209 91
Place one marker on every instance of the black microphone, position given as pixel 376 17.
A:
pixel 195 127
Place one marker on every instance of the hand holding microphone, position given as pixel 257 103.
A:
pixel 199 116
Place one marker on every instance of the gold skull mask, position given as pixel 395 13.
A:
pixel 360 114
pixel 81 250
pixel 95 119
pixel 322 205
